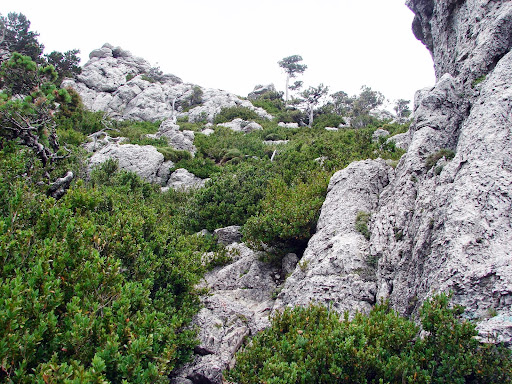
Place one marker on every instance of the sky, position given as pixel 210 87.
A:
pixel 236 44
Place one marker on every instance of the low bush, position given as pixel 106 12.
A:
pixel 231 197
pixel 199 166
pixel 95 287
pixel 231 113
pixel 317 345
pixel 362 219
pixel 328 120
pixel 432 159
pixel 174 155
pixel 288 214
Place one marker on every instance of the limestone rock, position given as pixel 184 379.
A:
pixel 466 38
pixel 260 90
pixel 401 140
pixel 275 142
pixel 379 133
pixel 128 87
pixel 228 235
pixel 240 125
pixel 207 131
pixel 289 263
pixel 180 140
pixel 334 269
pixel 237 306
pixel 183 180
pixel 144 160
pixel 288 125
pixel 447 227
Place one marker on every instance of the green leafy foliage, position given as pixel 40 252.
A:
pixel 96 287
pixel 288 214
pixel 231 113
pixel 317 345
pixel 362 220
pixel 203 168
pixel 432 159
pixel 216 146
pixel 231 196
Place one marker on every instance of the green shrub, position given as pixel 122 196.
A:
pixel 97 287
pixel 432 159
pixel 328 120
pixel 136 131
pixel 288 214
pixel 231 197
pixel 477 81
pixel 231 113
pixel 203 168
pixel 362 220
pixel 317 345
pixel 216 146
pixel 273 137
pixel 174 155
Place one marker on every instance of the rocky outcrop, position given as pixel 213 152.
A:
pixel 336 269
pixel 228 235
pixel 240 125
pixel 260 90
pixel 128 88
pixel 180 140
pixel 144 160
pixel 466 38
pixel 443 221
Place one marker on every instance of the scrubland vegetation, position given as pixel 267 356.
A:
pixel 97 282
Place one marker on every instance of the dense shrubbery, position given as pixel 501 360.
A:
pixel 317 345
pixel 96 286
pixel 231 113
pixel 288 214
pixel 232 196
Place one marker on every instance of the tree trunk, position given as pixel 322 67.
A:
pixel 286 89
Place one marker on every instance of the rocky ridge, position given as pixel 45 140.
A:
pixel 129 88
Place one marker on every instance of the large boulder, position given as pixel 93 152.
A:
pixel 180 140
pixel 466 38
pixel 144 160
pixel 260 90
pixel 441 221
pixel 183 180
pixel 240 125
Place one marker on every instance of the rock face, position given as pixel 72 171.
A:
pixel 441 221
pixel 466 38
pixel 128 88
pixel 180 140
pixel 238 306
pixel 240 125
pixel 335 268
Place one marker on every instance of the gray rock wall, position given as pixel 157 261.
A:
pixel 439 223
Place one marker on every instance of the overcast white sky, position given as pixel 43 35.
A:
pixel 236 44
